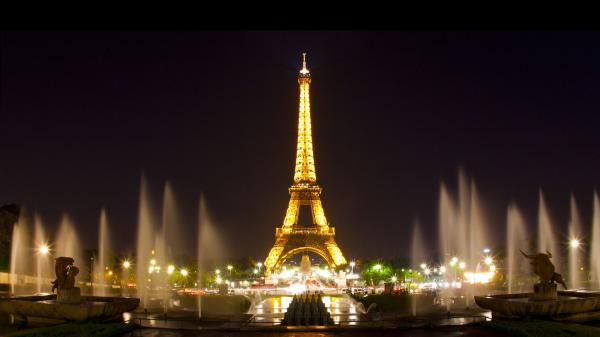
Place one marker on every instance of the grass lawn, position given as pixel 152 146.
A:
pixel 78 329
pixel 536 328
pixel 397 303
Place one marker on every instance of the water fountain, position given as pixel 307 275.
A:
pixel 547 240
pixel 210 247
pixel 20 256
pixel 165 240
pixel 417 255
pixel 595 244
pixel 462 235
pixel 574 245
pixel 43 262
pixel 67 242
pixel 515 239
pixel 100 263
pixel 145 244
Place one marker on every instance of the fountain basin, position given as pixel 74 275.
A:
pixel 569 306
pixel 46 306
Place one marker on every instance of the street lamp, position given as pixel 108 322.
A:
pixel 126 264
pixel 352 264
pixel 229 267
pixel 184 272
pixel 170 269
pixel 44 249
pixel 488 260
pixel 574 243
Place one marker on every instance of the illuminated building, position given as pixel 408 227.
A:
pixel 292 238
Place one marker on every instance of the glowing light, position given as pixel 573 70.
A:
pixel 153 262
pixel 462 265
pixel 110 272
pixel 126 264
pixel 423 266
pixel 377 267
pixel 486 250
pixel 352 263
pixel 219 280
pixel 255 271
pixel 184 272
pixel 453 261
pixel 170 269
pixel 229 267
pixel 305 190
pixel 217 271
pixel 297 288
pixel 488 260
pixel 427 271
pixel 482 278
pixel 44 249
pixel 492 268
pixel 150 269
pixel 394 279
pixel 442 269
pixel 259 264
pixel 574 243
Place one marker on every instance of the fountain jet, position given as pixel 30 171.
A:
pixel 546 236
pixel 516 240
pixel 574 245
pixel 145 243
pixel 101 262
pixel 595 249
pixel 43 262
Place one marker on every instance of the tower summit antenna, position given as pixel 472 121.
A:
pixel 304 70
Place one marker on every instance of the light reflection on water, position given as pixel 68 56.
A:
pixel 272 309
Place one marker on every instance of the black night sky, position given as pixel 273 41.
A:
pixel 83 114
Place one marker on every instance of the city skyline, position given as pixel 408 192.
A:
pixel 394 115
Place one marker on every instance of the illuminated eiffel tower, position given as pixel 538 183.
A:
pixel 292 238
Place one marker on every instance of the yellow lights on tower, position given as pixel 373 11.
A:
pixel 305 162
pixel 304 192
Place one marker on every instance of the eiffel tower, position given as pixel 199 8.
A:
pixel 292 238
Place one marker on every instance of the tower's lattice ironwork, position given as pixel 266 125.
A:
pixel 292 238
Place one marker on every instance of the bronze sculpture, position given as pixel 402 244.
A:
pixel 65 273
pixel 544 269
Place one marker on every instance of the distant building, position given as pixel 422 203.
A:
pixel 9 215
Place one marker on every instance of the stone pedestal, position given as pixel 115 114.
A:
pixel 69 296
pixel 544 292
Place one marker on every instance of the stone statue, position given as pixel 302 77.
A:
pixel 65 280
pixel 543 268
